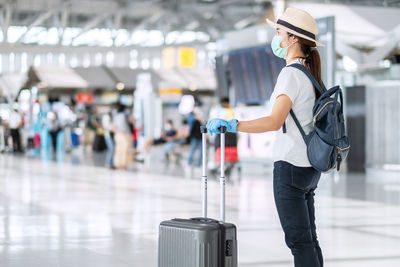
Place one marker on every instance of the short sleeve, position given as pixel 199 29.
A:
pixel 287 84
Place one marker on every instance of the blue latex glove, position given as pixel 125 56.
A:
pixel 213 126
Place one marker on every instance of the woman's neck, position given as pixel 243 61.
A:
pixel 294 54
pixel 290 59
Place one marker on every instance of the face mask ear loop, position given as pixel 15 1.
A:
pixel 290 35
pixel 290 45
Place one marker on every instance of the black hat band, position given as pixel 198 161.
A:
pixel 296 29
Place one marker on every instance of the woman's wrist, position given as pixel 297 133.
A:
pixel 232 126
pixel 237 125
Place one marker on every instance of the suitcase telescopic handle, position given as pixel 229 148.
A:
pixel 222 172
pixel 222 179
pixel 203 129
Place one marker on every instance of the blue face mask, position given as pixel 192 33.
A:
pixel 276 47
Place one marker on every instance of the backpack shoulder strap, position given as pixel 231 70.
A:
pixel 316 85
pixel 309 75
pixel 296 121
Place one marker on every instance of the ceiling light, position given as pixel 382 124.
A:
pixel 120 86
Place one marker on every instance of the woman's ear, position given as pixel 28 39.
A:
pixel 295 39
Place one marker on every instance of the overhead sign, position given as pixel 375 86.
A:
pixel 86 98
pixel 187 57
pixel 168 57
pixel 109 98
pixel 170 95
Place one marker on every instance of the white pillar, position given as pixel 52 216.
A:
pixel 280 8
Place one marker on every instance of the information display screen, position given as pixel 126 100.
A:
pixel 253 73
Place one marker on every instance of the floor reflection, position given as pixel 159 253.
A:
pixel 73 212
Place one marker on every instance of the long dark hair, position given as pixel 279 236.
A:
pixel 312 61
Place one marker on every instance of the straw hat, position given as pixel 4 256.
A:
pixel 297 22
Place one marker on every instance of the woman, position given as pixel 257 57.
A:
pixel 122 138
pixel 106 122
pixel 54 129
pixel 195 143
pixel 294 178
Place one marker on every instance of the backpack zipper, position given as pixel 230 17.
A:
pixel 345 148
pixel 316 115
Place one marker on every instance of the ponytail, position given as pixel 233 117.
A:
pixel 312 61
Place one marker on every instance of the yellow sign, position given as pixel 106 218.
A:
pixel 187 57
pixel 170 95
pixel 170 91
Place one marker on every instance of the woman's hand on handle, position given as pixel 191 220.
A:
pixel 214 125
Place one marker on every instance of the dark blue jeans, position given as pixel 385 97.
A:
pixel 294 198
pixel 195 144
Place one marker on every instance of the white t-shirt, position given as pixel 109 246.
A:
pixel 15 120
pixel 106 122
pixel 290 146
pixel 121 123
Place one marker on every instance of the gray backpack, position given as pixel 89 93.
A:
pixel 327 144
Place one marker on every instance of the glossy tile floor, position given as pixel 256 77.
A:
pixel 64 214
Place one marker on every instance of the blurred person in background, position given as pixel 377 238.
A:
pixel 15 123
pixel 224 111
pixel 122 137
pixel 99 142
pixel 69 118
pixel 107 124
pixel 54 128
pixel 7 136
pixel 134 136
pixel 89 131
pixel 181 137
pixel 2 136
pixel 195 138
pixel 167 136
pixel 194 114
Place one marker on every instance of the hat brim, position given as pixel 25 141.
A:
pixel 276 25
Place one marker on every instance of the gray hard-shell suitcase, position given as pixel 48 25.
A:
pixel 200 242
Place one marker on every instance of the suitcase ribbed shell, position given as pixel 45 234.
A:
pixel 181 246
